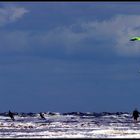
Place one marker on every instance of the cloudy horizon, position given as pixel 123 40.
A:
pixel 69 56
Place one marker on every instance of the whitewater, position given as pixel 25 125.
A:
pixel 69 125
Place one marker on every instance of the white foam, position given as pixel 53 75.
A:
pixel 69 126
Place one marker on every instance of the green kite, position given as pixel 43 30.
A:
pixel 135 38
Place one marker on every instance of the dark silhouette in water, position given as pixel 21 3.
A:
pixel 42 115
pixel 135 115
pixel 11 115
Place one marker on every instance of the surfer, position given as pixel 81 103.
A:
pixel 135 115
pixel 11 115
pixel 42 115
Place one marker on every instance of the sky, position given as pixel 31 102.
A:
pixel 69 56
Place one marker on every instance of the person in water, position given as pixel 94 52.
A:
pixel 11 115
pixel 135 115
pixel 42 115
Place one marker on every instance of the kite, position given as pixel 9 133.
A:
pixel 135 38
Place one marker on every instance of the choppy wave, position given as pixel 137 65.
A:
pixel 69 125
pixel 23 114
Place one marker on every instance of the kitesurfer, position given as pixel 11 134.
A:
pixel 42 115
pixel 135 115
pixel 11 115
